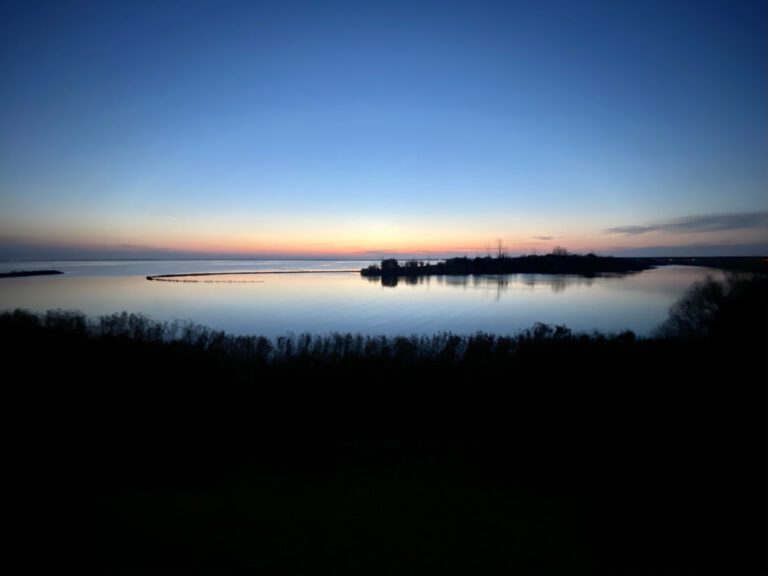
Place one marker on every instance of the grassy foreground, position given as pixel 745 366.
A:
pixel 133 446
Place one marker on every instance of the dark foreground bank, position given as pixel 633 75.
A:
pixel 136 447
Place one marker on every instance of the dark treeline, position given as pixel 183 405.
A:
pixel 559 262
pixel 137 446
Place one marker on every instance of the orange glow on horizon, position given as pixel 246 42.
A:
pixel 352 238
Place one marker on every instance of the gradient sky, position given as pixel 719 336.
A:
pixel 364 128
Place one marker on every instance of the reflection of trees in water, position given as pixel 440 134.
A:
pixel 499 283
pixel 393 281
pixel 558 283
pixel 458 281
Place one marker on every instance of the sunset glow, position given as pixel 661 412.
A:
pixel 296 129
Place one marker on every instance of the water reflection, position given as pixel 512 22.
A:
pixel 393 281
pixel 346 302
pixel 559 283
pixel 499 283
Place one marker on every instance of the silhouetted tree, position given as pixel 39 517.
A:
pixel 389 266
pixel 734 307
pixel 501 252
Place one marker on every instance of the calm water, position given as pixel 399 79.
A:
pixel 275 304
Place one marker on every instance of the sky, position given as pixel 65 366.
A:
pixel 365 129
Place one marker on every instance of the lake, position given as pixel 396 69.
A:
pixel 329 300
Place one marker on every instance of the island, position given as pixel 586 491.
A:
pixel 23 273
pixel 556 263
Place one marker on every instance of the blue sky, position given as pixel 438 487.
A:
pixel 363 128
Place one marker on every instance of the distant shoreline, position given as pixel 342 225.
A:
pixel 557 263
pixel 564 263
pixel 24 273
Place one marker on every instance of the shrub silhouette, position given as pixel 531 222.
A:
pixel 736 307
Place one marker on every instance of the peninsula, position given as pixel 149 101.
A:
pixel 555 263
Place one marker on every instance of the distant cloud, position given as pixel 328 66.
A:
pixel 707 223
pixel 543 237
